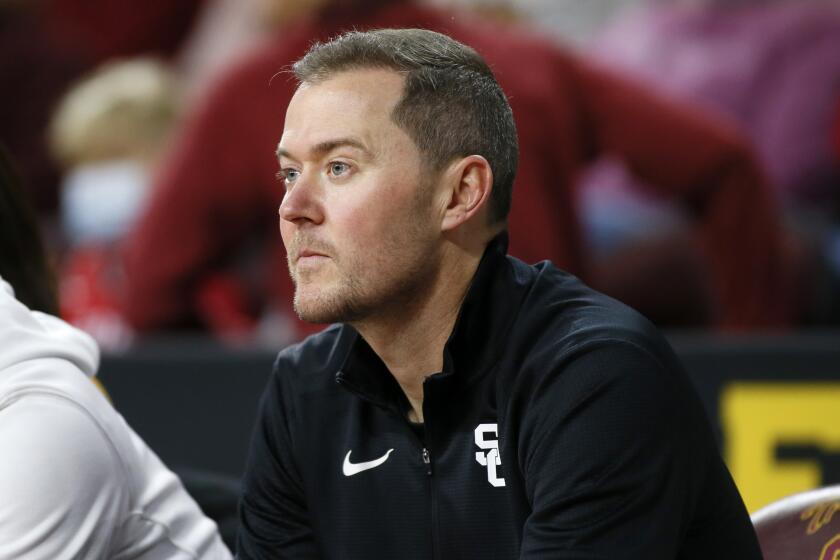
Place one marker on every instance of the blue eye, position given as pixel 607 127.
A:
pixel 338 168
pixel 288 175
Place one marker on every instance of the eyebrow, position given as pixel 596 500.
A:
pixel 329 145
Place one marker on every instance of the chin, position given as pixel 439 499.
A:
pixel 314 315
pixel 324 309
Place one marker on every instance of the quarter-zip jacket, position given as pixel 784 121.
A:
pixel 561 426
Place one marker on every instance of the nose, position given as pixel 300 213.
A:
pixel 302 202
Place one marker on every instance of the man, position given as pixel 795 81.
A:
pixel 218 184
pixel 467 405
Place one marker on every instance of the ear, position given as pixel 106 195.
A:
pixel 470 181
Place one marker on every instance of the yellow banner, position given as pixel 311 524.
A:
pixel 777 436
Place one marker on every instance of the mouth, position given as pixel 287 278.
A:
pixel 309 256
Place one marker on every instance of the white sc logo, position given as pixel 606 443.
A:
pixel 489 457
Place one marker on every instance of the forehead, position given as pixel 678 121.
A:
pixel 355 103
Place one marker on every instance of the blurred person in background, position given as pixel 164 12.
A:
pixel 224 31
pixel 106 29
pixel 46 44
pixel 571 21
pixel 772 68
pixel 108 132
pixel 212 206
pixel 75 481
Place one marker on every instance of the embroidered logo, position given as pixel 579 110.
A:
pixel 489 456
pixel 349 469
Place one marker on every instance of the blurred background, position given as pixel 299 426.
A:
pixel 680 155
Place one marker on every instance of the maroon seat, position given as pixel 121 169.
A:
pixel 801 527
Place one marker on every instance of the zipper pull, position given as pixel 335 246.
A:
pixel 428 461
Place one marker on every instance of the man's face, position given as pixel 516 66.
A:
pixel 359 218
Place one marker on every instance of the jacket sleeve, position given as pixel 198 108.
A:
pixel 64 490
pixel 614 460
pixel 273 517
pixel 709 169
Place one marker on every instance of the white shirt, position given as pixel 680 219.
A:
pixel 75 480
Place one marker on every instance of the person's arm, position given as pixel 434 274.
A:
pixel 273 516
pixel 63 491
pixel 707 167
pixel 614 461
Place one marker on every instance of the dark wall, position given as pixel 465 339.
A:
pixel 192 401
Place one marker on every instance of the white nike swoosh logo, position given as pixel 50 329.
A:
pixel 349 469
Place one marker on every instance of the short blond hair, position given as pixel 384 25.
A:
pixel 124 109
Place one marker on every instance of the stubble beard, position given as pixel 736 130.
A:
pixel 394 278
pixel 334 304
pixel 385 285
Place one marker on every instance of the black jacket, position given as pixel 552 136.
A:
pixel 561 426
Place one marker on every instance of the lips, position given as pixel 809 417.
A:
pixel 307 250
pixel 308 256
pixel 309 253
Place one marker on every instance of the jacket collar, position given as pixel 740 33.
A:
pixel 477 338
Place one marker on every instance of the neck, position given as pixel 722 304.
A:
pixel 410 341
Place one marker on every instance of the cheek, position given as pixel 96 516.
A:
pixel 359 226
pixel 381 215
pixel 357 213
